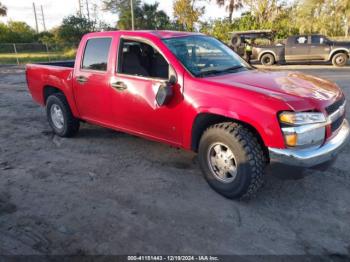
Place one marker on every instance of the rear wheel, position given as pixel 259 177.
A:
pixel 60 117
pixel 267 59
pixel 232 160
pixel 340 59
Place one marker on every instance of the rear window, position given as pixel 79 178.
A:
pixel 96 54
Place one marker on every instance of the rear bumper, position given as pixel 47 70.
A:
pixel 313 156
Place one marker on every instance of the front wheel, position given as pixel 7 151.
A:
pixel 340 59
pixel 60 117
pixel 232 160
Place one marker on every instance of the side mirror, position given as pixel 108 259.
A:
pixel 165 91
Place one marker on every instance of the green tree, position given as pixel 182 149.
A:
pixel 3 10
pixel 147 16
pixel 331 17
pixel 73 28
pixel 123 9
pixel 346 6
pixel 4 30
pixel 187 14
pixel 231 5
pixel 16 32
pixel 264 10
pixel 118 6
pixel 219 28
pixel 152 18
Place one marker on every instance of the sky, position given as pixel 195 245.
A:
pixel 55 11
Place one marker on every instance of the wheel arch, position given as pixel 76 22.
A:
pixel 337 51
pixel 206 119
pixel 50 90
pixel 268 52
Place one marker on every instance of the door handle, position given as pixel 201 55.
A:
pixel 82 79
pixel 119 85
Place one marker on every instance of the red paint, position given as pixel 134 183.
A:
pixel 254 97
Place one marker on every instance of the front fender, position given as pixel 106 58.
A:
pixel 266 125
pixel 340 49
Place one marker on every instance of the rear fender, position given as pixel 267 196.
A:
pixel 65 87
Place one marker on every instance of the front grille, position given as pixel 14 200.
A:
pixel 337 123
pixel 334 107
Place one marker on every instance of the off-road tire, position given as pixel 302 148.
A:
pixel 249 155
pixel 267 59
pixel 71 124
pixel 340 59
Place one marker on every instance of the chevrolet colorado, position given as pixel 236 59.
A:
pixel 191 91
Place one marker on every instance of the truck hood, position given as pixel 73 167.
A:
pixel 299 90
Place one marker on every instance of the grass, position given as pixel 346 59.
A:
pixel 31 57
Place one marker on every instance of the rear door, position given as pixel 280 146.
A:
pixel 297 48
pixel 91 81
pixel 319 48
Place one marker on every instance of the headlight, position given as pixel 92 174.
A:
pixel 303 128
pixel 301 118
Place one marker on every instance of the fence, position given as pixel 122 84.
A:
pixel 21 53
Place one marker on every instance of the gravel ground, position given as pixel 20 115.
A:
pixel 105 192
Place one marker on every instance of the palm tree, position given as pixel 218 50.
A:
pixel 231 5
pixel 3 10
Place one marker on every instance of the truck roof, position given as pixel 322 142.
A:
pixel 162 34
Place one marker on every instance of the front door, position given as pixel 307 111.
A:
pixel 141 70
pixel 319 49
pixel 91 82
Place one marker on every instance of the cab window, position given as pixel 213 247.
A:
pixel 141 59
pixel 318 40
pixel 301 40
pixel 96 54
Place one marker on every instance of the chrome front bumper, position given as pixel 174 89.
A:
pixel 309 157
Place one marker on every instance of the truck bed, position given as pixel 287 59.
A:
pixel 53 74
pixel 69 63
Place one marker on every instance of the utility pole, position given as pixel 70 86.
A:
pixel 43 17
pixel 36 19
pixel 132 15
pixel 87 9
pixel 79 4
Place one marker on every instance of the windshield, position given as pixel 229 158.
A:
pixel 204 55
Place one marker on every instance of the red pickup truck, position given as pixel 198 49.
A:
pixel 191 91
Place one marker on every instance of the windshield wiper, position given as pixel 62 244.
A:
pixel 232 68
pixel 215 71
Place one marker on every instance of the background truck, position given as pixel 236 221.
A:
pixel 192 91
pixel 301 48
